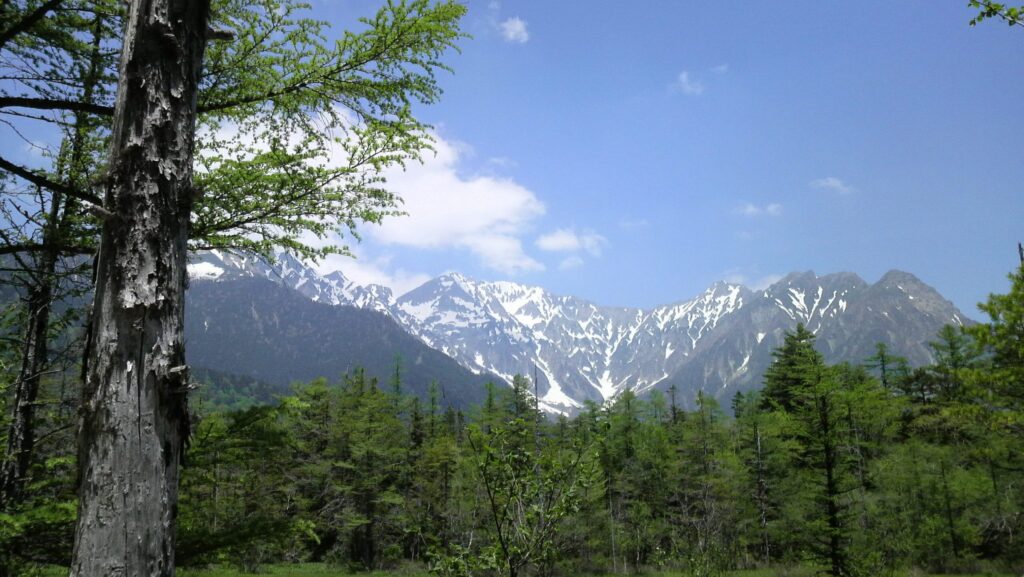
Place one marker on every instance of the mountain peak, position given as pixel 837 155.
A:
pixel 456 278
pixel 719 341
pixel 898 276
pixel 337 276
pixel 843 278
pixel 797 276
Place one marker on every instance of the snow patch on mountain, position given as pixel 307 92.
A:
pixel 581 351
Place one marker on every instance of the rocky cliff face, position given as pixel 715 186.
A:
pixel 719 341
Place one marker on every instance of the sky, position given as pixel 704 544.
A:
pixel 633 153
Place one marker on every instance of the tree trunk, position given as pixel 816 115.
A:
pixel 830 465
pixel 21 432
pixel 134 417
pixel 947 502
pixel 35 352
pixel 762 494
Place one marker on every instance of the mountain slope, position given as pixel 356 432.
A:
pixel 267 331
pixel 719 341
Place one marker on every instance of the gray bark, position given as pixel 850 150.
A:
pixel 134 419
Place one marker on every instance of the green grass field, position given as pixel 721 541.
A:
pixel 323 570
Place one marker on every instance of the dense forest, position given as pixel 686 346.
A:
pixel 854 470
pixel 136 132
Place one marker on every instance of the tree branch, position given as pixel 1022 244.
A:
pixel 48 184
pixel 65 249
pixel 48 104
pixel 28 21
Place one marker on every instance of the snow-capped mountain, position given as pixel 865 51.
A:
pixel 332 288
pixel 719 342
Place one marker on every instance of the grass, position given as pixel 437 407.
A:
pixel 295 570
pixel 323 570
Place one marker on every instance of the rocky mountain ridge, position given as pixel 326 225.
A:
pixel 719 341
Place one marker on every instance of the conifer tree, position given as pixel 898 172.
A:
pixel 795 367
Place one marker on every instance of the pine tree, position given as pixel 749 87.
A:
pixel 795 368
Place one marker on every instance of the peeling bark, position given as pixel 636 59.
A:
pixel 134 419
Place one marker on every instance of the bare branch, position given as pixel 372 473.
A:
pixel 44 182
pixel 50 104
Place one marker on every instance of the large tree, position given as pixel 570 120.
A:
pixel 43 228
pixel 296 133
pixel 294 129
pixel 135 418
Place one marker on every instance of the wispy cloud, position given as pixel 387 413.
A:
pixel 514 30
pixel 720 69
pixel 833 184
pixel 688 85
pixel 570 262
pixel 764 282
pixel 568 240
pixel 752 210
pixel 501 162
pixel 365 271
pixel 757 283
pixel 573 244
pixel 631 223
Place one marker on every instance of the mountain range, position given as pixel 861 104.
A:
pixel 288 322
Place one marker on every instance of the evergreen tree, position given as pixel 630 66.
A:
pixel 766 454
pixel 795 368
pixel 707 473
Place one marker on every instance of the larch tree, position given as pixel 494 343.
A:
pixel 58 58
pixel 1011 15
pixel 134 419
pixel 295 132
pixel 294 129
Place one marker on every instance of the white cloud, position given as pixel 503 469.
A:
pixel 832 183
pixel 757 284
pixel 753 210
pixel 503 253
pixel 687 85
pixel 501 162
pixel 482 214
pixel 559 240
pixel 720 69
pixel 373 271
pixel 570 262
pixel 765 281
pixel 568 240
pixel 514 30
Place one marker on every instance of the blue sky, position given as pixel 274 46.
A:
pixel 642 150
pixel 632 153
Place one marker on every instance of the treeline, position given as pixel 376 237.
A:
pixel 851 469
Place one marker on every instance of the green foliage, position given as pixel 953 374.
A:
pixel 296 129
pixel 834 473
pixel 1009 14
pixel 529 489
pixel 795 368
